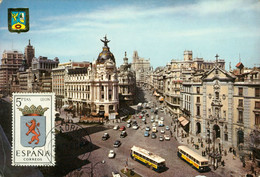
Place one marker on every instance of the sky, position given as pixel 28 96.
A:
pixel 160 30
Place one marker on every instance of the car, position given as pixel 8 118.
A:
pixel 160 124
pixel 154 124
pixel 156 120
pixel 153 136
pixel 105 136
pixel 162 118
pixel 152 120
pixel 167 128
pixel 123 134
pixel 143 119
pixel 135 127
pixel 129 121
pixel 111 154
pixel 115 174
pixel 161 138
pixel 117 143
pixel 116 127
pixel 128 125
pixel 146 133
pixel 154 129
pixel 162 131
pixel 147 115
pixel 167 137
pixel 147 128
pixel 122 128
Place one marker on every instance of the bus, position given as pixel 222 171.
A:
pixel 194 159
pixel 148 159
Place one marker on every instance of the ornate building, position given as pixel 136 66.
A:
pixel 94 89
pixel 29 54
pixel 127 84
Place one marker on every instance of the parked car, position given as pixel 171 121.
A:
pixel 105 136
pixel 154 129
pixel 147 115
pixel 135 127
pixel 111 154
pixel 162 118
pixel 134 122
pixel 160 124
pixel 123 134
pixel 167 128
pixel 143 119
pixel 162 131
pixel 154 124
pixel 129 121
pixel 167 137
pixel 115 174
pixel 152 120
pixel 153 135
pixel 117 143
pixel 146 133
pixel 161 138
pixel 147 128
pixel 116 127
pixel 128 125
pixel 122 128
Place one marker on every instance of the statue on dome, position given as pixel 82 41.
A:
pixel 105 41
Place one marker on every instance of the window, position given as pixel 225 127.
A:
pixel 198 90
pixel 110 96
pixel 257 119
pixel 102 88
pixel 198 99
pixel 217 95
pixel 226 137
pixel 257 92
pixel 240 103
pixel 257 105
pixel 198 110
pixel 240 116
pixel 240 91
pixel 102 96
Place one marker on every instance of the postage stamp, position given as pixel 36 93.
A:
pixel 33 129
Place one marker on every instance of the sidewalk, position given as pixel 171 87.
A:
pixel 233 167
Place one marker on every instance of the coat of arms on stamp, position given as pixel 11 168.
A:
pixel 18 20
pixel 33 129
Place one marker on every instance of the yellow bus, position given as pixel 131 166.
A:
pixel 148 159
pixel 194 159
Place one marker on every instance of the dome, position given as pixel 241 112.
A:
pixel 105 54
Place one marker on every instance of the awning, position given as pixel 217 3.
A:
pixel 184 122
pixel 181 119
pixel 161 98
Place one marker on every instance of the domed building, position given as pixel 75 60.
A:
pixel 105 82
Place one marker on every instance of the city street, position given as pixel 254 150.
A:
pixel 165 149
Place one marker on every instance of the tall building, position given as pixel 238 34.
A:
pixel 141 67
pixel 29 53
pixel 127 84
pixel 10 63
pixel 41 74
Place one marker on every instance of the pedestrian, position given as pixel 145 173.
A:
pixel 244 163
pixel 250 156
pixel 252 168
pixel 223 163
pixel 225 152
pixel 230 149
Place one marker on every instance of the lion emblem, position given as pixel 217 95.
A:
pixel 31 129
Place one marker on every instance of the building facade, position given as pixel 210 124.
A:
pixel 93 90
pixel 10 63
pixel 127 84
pixel 141 67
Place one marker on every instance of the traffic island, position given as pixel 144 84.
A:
pixel 130 173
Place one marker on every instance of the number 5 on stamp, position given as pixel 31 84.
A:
pixel 33 129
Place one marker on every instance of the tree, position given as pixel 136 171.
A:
pixel 254 144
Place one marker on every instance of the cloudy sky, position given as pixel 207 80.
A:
pixel 158 30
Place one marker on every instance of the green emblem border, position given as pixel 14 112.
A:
pixel 10 10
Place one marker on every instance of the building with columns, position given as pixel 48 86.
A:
pixel 93 90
